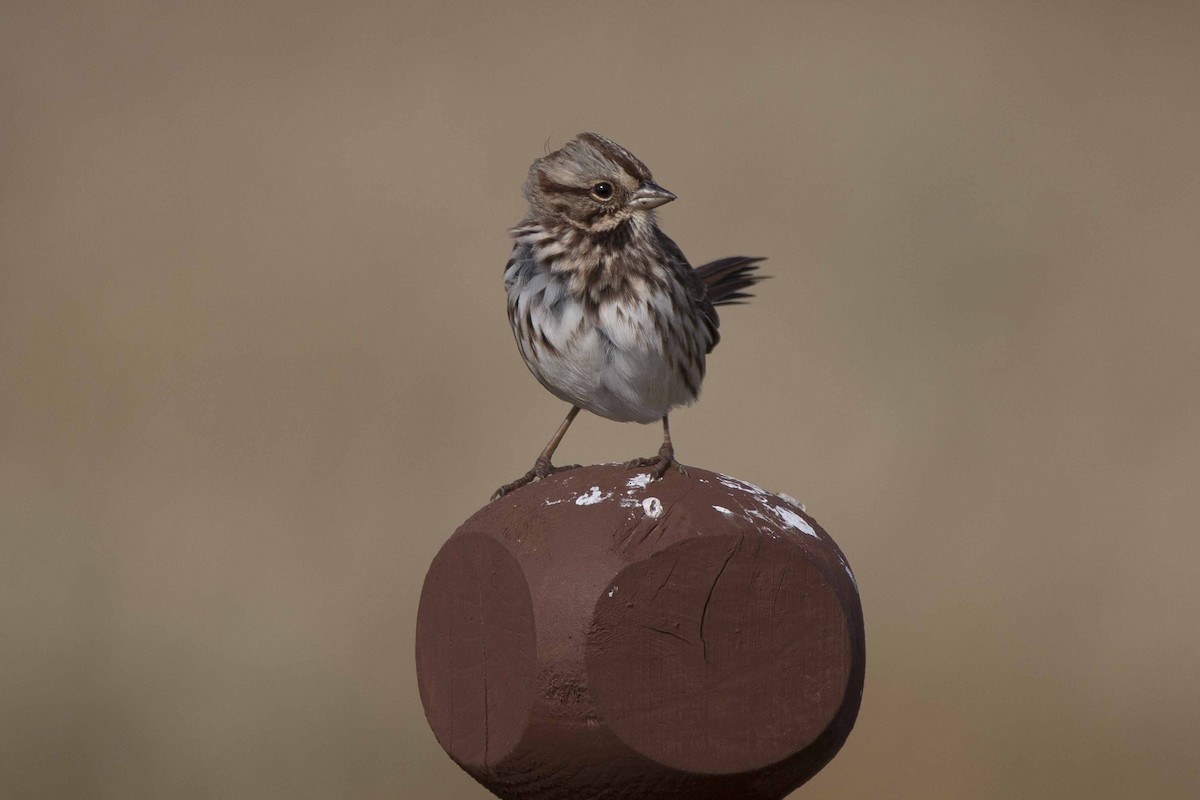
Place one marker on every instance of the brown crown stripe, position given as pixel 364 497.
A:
pixel 628 161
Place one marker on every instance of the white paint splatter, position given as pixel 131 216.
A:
pixel 772 528
pixel 724 510
pixel 592 497
pixel 792 519
pixel 553 502
pixel 653 507
pixel 780 516
pixel 638 481
pixel 629 502
pixel 734 483
pixel 612 591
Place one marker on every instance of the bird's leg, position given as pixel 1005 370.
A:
pixel 542 468
pixel 665 459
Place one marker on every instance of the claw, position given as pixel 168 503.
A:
pixel 660 463
pixel 541 469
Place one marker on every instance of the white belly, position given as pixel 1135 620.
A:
pixel 613 365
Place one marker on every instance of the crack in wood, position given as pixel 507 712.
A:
pixel 711 589
pixel 683 639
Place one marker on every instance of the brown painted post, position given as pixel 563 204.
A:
pixel 595 635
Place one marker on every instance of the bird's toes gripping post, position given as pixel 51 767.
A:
pixel 659 464
pixel 542 468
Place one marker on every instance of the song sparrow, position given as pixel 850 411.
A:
pixel 607 312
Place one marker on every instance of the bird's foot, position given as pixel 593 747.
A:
pixel 541 469
pixel 660 463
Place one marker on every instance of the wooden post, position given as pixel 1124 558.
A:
pixel 596 635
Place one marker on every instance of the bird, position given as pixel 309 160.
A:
pixel 607 312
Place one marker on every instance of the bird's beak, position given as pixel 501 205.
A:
pixel 650 195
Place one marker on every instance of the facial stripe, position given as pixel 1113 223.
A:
pixel 551 186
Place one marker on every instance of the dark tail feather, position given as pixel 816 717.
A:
pixel 727 278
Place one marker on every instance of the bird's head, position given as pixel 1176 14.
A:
pixel 593 184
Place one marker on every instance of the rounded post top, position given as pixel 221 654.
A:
pixel 691 636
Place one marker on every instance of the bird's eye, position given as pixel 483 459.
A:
pixel 602 190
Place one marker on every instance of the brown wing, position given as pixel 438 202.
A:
pixel 693 287
pixel 718 283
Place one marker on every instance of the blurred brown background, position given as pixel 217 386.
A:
pixel 256 366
